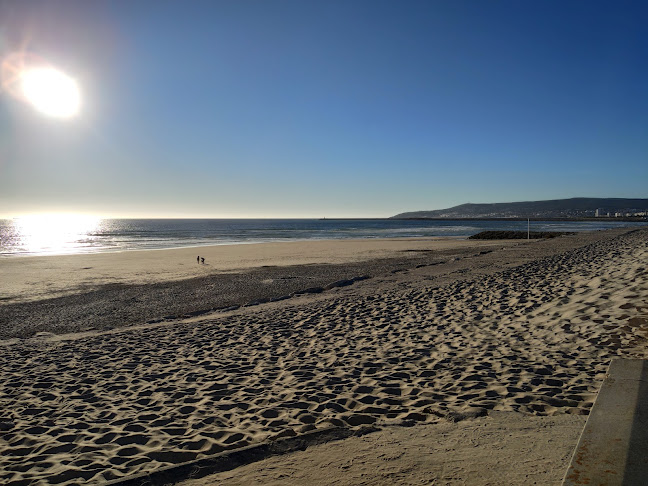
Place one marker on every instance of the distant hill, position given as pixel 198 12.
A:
pixel 577 207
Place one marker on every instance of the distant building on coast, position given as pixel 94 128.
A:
pixel 625 213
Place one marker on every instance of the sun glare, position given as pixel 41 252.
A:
pixel 55 233
pixel 34 81
pixel 51 92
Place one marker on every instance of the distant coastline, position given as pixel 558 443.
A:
pixel 611 218
pixel 638 219
pixel 572 209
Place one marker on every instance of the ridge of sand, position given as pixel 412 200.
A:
pixel 105 304
pixel 74 293
pixel 535 339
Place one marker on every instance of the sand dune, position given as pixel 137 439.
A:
pixel 535 338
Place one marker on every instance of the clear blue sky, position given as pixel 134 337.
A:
pixel 327 108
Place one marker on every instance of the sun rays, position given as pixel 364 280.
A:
pixel 35 82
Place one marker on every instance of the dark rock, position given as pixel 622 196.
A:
pixel 517 235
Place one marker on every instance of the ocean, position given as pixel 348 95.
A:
pixel 69 235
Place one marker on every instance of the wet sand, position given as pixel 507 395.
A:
pixel 32 278
pixel 438 338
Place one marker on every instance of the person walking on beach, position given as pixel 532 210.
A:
pixel 198 259
pixel 202 260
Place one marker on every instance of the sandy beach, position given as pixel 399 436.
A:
pixel 36 277
pixel 465 356
pixel 72 293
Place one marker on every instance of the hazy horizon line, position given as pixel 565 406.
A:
pixel 98 216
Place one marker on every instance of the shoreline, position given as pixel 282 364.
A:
pixel 235 243
pixel 438 341
pixel 615 223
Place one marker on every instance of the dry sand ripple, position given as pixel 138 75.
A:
pixel 536 338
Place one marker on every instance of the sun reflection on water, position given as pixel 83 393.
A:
pixel 55 233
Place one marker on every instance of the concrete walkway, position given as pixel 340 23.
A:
pixel 613 448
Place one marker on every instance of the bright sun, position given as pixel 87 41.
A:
pixel 51 92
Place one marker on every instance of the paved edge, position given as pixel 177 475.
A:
pixel 613 447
